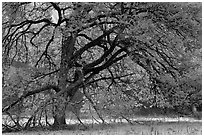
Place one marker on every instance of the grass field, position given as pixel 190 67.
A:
pixel 147 128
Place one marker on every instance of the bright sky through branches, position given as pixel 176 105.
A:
pixel 54 16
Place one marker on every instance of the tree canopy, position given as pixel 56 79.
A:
pixel 116 57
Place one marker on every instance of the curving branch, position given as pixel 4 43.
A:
pixel 46 48
pixel 47 74
pixel 29 93
pixel 107 52
pixel 45 20
pixel 109 78
pixel 113 59
pixel 93 43
pixel 85 36
pixel 37 33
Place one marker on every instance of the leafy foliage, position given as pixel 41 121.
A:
pixel 117 57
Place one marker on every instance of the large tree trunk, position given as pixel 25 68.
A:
pixel 59 112
pixel 67 51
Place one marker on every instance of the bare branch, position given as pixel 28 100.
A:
pixel 85 36
pixel 46 48
pixel 109 78
pixel 29 93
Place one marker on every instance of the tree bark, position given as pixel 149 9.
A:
pixel 67 49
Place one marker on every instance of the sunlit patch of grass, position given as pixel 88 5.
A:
pixel 153 128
